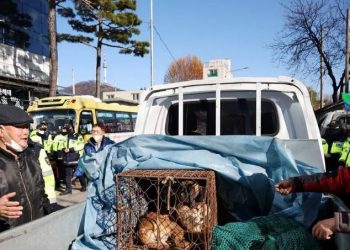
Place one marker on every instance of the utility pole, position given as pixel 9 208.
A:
pixel 105 69
pixel 151 48
pixel 347 55
pixel 73 82
pixel 321 70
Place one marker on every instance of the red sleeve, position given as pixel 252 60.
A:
pixel 332 182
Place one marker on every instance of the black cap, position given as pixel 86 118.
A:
pixel 43 123
pixel 11 115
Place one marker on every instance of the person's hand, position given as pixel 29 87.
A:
pixel 10 209
pixel 323 230
pixel 284 187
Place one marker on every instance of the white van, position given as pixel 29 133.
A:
pixel 278 107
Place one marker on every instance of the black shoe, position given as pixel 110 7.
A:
pixel 65 192
pixel 59 188
pixel 83 189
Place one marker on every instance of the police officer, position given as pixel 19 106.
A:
pixel 70 145
pixel 344 159
pixel 22 192
pixel 58 144
pixel 47 172
pixel 41 136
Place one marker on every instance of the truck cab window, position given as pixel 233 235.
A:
pixel 237 118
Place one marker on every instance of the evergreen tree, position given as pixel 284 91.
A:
pixel 110 23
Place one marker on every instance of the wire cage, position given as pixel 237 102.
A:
pixel 165 209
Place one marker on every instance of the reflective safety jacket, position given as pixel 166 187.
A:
pixel 324 146
pixel 336 147
pixel 47 172
pixel 59 142
pixel 73 141
pixel 344 157
pixel 43 139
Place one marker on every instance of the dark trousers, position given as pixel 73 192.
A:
pixel 69 174
pixel 59 173
pixel 82 180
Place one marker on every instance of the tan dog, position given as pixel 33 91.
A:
pixel 193 219
pixel 170 233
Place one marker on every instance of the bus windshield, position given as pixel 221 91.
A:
pixel 55 119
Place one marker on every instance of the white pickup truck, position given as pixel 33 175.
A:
pixel 277 107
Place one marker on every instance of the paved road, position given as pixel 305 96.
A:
pixel 71 199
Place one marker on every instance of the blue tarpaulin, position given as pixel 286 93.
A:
pixel 247 167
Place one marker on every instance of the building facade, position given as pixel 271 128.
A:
pixel 122 97
pixel 24 51
pixel 220 68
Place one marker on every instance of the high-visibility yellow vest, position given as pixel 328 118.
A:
pixel 59 143
pixel 47 143
pixel 344 157
pixel 77 144
pixel 337 147
pixel 48 175
pixel 324 146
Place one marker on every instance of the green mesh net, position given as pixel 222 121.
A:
pixel 269 232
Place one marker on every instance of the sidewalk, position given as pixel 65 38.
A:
pixel 71 199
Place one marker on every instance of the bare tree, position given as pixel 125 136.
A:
pixel 184 69
pixel 314 29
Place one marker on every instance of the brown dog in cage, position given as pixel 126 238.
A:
pixel 160 232
pixel 193 218
pixel 178 212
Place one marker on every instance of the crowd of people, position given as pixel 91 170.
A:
pixel 35 164
pixel 64 150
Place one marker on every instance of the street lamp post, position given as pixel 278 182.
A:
pixel 238 69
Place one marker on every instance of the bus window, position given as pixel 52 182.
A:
pixel 55 119
pixel 133 119
pixel 116 121
pixel 124 122
pixel 86 122
pixel 107 119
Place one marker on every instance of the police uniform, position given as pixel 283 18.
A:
pixel 47 171
pixel 44 139
pixel 58 144
pixel 75 143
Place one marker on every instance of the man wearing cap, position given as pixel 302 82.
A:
pixel 22 193
pixel 41 136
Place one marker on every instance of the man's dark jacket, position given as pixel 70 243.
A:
pixel 23 176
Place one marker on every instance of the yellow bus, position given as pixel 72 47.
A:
pixel 82 112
